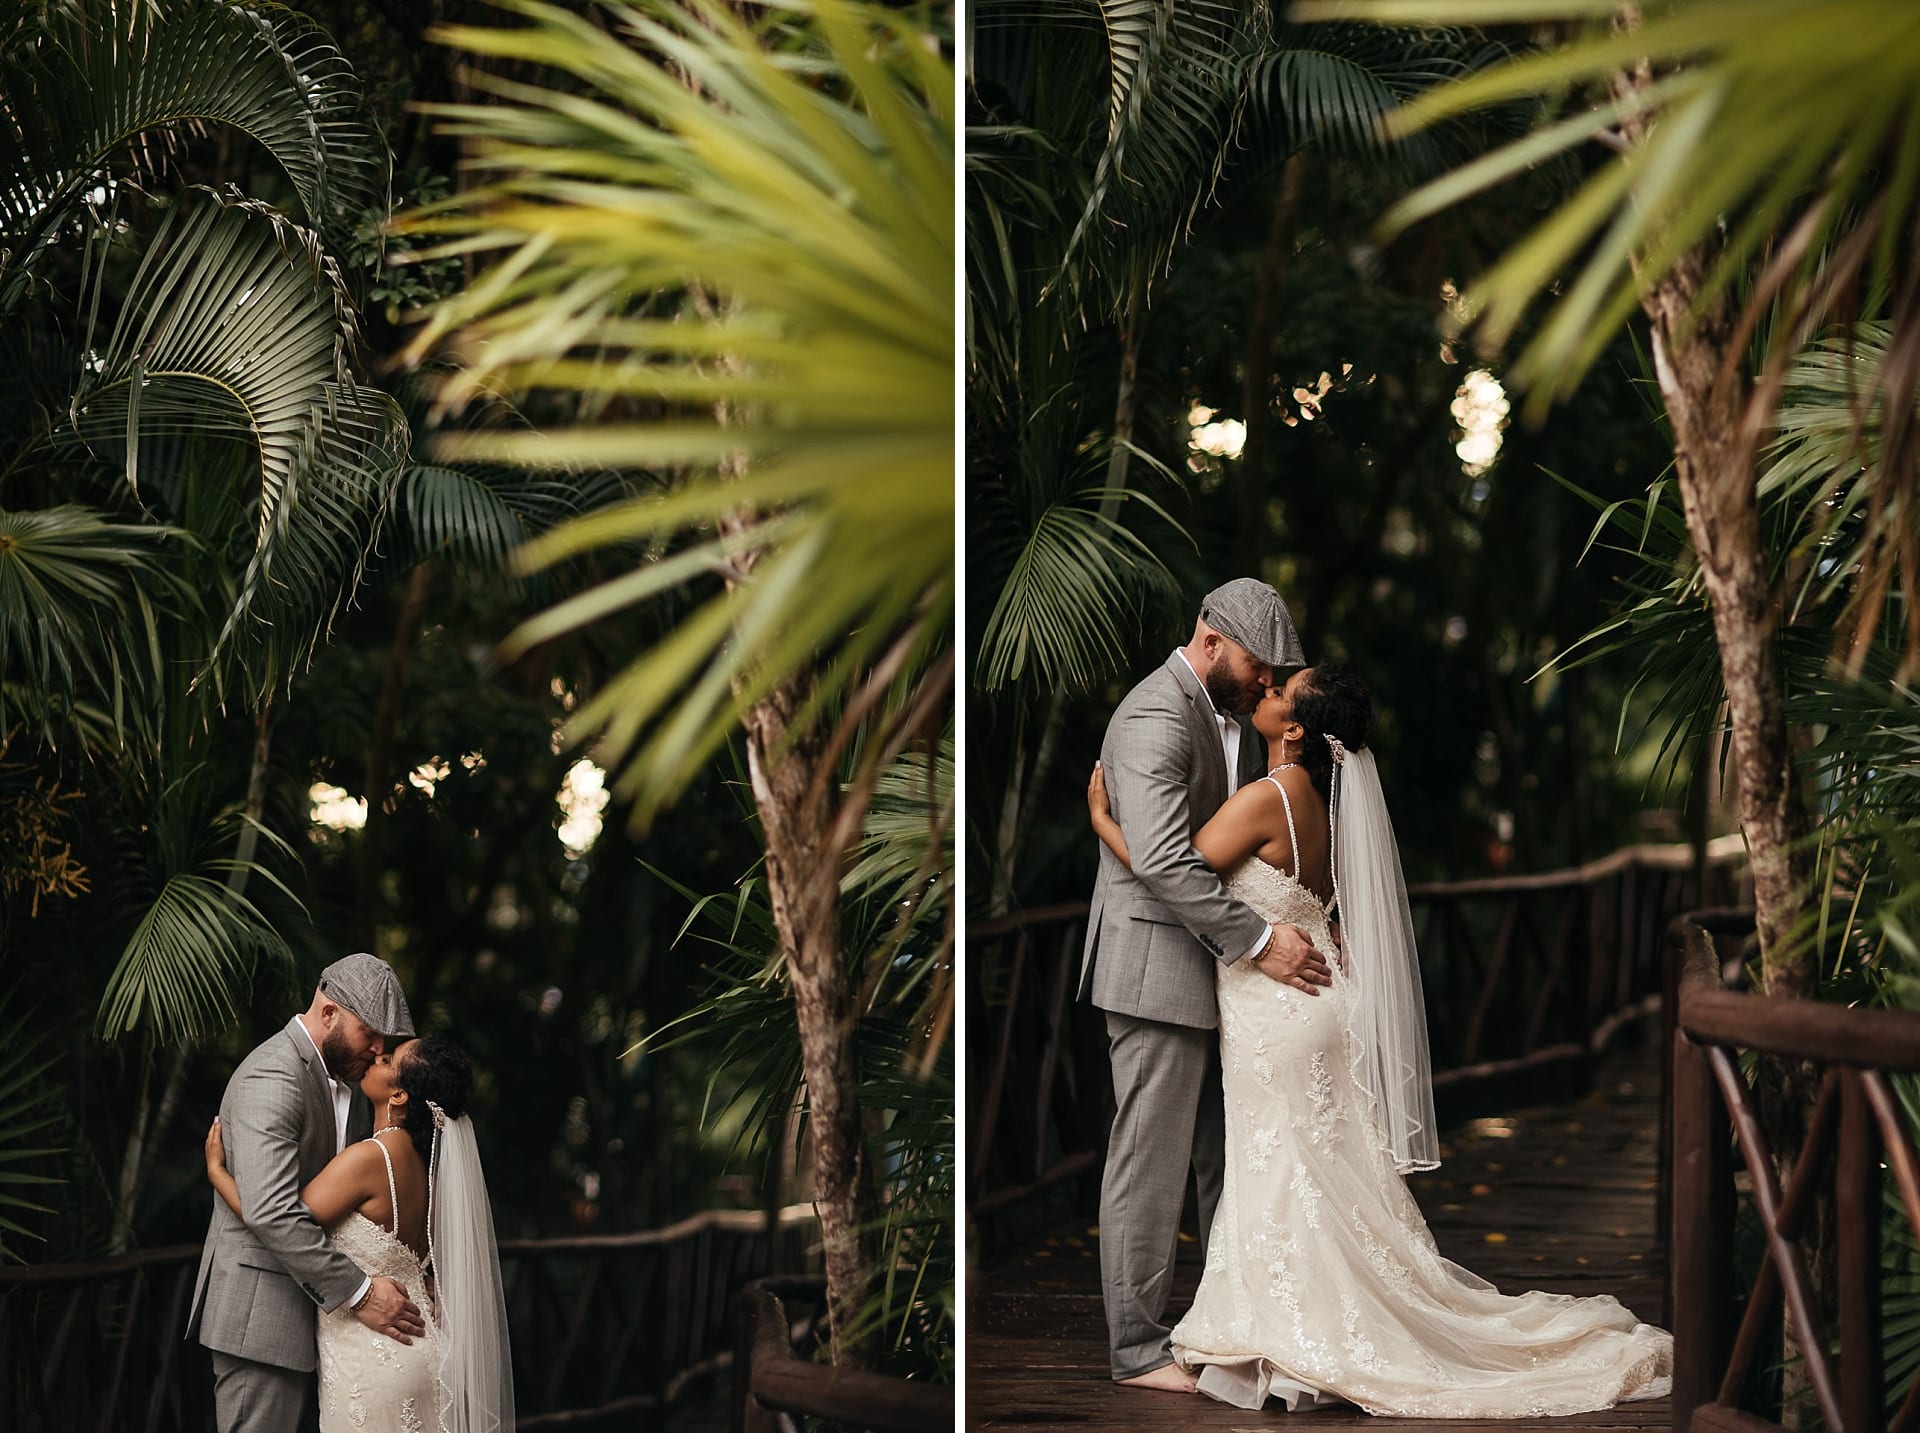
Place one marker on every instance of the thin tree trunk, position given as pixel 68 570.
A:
pixel 805 846
pixel 1126 402
pixel 1256 378
pixel 382 742
pixel 127 1195
pixel 1707 392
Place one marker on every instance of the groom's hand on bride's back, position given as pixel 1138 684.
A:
pixel 387 1309
pixel 1289 957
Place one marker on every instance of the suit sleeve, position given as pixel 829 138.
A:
pixel 1148 758
pixel 264 1153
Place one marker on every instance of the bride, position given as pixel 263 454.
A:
pixel 1323 1283
pixel 410 1203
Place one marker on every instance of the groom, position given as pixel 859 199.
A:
pixel 1175 750
pixel 289 1109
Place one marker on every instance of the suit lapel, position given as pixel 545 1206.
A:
pixel 1210 769
pixel 318 1088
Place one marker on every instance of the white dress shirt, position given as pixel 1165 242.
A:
pixel 342 1103
pixel 1230 735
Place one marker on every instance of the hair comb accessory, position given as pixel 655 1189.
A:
pixel 439 1115
pixel 1339 750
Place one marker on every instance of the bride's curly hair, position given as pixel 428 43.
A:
pixel 1331 701
pixel 434 1069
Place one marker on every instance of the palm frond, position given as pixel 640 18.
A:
pixel 1827 473
pixel 1068 579
pixel 1330 87
pixel 1174 83
pixel 126 80
pixel 80 602
pixel 479 516
pixel 238 322
pixel 198 941
pixel 792 210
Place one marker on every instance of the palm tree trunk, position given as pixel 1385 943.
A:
pixel 1706 390
pixel 805 844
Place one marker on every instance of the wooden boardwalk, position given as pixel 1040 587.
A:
pixel 1556 1197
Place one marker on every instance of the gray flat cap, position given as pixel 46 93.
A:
pixel 366 985
pixel 1252 614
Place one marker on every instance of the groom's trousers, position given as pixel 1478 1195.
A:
pixel 251 1397
pixel 1168 1118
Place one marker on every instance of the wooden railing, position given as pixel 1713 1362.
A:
pixel 1527 979
pixel 1855 1128
pixel 779 1384
pixel 607 1330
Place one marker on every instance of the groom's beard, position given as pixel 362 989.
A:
pixel 1229 696
pixel 337 1055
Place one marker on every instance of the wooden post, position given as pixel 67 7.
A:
pixel 1700 1262
pixel 1857 1196
pixel 746 1415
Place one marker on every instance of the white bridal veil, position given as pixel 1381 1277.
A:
pixel 476 1367
pixel 1383 967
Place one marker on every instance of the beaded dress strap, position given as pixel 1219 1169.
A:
pixel 1287 801
pixel 393 1192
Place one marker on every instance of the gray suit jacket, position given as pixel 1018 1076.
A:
pixel 262 1279
pixel 1155 931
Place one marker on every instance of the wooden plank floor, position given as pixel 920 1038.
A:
pixel 1556 1197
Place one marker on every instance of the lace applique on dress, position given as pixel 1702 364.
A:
pixel 367 1380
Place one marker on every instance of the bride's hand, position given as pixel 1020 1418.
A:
pixel 216 1149
pixel 1098 807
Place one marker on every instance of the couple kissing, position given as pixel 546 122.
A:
pixel 1251 948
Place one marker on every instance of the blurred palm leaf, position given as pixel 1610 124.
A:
pixel 737 245
pixel 237 323
pixel 80 600
pixel 1767 114
pixel 198 940
pixel 128 79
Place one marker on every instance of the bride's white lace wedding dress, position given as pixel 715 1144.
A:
pixel 1323 1283
pixel 368 1382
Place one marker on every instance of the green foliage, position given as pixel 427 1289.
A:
pixel 198 938
pixel 80 600
pixel 126 83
